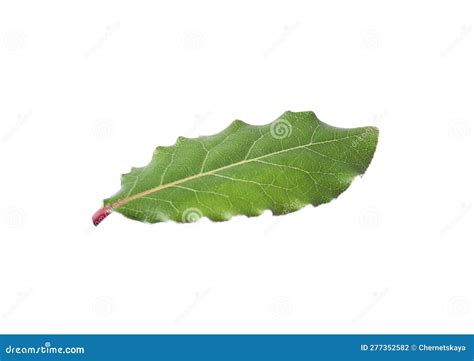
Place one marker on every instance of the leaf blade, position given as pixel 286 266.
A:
pixel 245 170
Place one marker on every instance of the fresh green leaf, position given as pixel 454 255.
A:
pixel 244 170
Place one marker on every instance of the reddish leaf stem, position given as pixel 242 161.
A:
pixel 101 214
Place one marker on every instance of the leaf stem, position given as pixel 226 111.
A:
pixel 101 214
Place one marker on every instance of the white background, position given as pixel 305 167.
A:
pixel 89 89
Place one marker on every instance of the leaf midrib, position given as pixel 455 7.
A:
pixel 214 171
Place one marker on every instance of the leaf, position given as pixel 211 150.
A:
pixel 244 170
